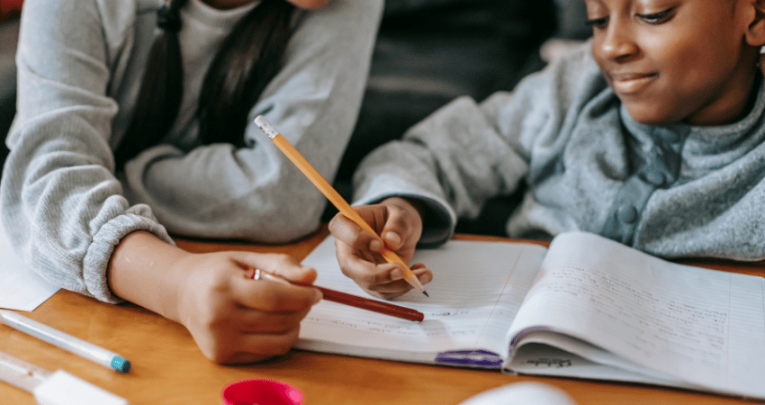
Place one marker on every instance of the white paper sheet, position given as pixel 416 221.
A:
pixel 475 293
pixel 699 326
pixel 20 288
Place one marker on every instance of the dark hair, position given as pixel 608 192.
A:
pixel 249 58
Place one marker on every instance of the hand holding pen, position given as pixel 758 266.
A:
pixel 234 320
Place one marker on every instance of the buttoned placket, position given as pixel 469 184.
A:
pixel 660 170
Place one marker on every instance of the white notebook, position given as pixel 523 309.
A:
pixel 587 307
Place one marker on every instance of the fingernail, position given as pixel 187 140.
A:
pixel 375 245
pixel 317 297
pixel 396 274
pixel 425 278
pixel 393 239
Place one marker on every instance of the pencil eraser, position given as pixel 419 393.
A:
pixel 62 388
pixel 264 126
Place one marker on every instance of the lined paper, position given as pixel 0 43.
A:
pixel 700 326
pixel 476 291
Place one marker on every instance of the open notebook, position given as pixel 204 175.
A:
pixel 587 307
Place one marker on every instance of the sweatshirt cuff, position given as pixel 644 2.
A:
pixel 96 261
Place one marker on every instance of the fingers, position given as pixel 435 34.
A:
pixel 402 226
pixel 249 348
pixel 259 347
pixel 274 296
pixel 367 274
pixel 252 321
pixel 346 231
pixel 423 274
pixel 382 280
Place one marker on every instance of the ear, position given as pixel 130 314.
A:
pixel 755 33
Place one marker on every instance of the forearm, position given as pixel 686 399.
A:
pixel 141 271
pixel 255 192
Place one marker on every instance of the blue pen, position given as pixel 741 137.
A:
pixel 65 341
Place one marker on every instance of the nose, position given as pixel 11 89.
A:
pixel 617 42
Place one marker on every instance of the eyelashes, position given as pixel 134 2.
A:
pixel 653 19
pixel 656 18
pixel 597 22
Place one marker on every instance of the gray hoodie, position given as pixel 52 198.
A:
pixel 80 64
pixel 670 191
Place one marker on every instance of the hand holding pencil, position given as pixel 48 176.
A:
pixel 384 280
pixel 400 227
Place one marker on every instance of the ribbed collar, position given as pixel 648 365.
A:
pixel 740 136
pixel 213 17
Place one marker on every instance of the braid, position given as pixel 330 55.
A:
pixel 249 58
pixel 246 63
pixel 161 90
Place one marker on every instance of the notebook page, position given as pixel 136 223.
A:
pixel 475 293
pixel 701 326
pixel 20 287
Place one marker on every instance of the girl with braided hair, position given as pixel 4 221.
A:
pixel 134 123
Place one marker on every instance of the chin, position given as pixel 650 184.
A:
pixel 651 115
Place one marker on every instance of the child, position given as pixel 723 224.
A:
pixel 653 135
pixel 135 122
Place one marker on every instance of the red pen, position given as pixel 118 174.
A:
pixel 346 299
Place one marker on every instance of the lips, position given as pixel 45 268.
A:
pixel 631 83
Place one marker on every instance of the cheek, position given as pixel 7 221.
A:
pixel 601 62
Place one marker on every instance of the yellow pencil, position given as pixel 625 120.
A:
pixel 332 195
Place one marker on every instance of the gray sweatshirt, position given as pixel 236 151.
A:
pixel 80 64
pixel 670 191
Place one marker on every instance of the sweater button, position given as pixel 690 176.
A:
pixel 655 177
pixel 627 213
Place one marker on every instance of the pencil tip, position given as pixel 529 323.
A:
pixel 426 293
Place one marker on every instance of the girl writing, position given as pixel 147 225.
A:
pixel 134 123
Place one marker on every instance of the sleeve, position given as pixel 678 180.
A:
pixel 467 152
pixel 62 206
pixel 255 192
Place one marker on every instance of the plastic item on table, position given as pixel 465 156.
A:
pixel 262 392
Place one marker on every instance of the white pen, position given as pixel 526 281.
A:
pixel 57 388
pixel 65 341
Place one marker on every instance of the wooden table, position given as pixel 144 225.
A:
pixel 168 368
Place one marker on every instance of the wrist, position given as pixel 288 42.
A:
pixel 143 270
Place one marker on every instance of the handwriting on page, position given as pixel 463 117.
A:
pixel 475 294
pixel 646 320
pixel 550 362
pixel 637 312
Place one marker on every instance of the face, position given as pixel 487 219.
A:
pixel 674 61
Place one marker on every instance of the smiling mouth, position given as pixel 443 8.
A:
pixel 631 83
